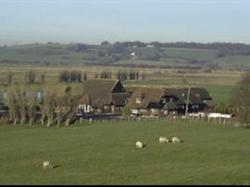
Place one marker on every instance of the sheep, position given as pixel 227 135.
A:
pixel 163 140
pixel 139 145
pixel 219 115
pixel 176 140
pixel 46 164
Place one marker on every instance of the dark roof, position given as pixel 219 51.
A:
pixel 148 95
pixel 196 94
pixel 119 99
pixel 98 93
pixel 151 96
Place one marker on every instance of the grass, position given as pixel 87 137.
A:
pixel 105 153
pixel 191 53
pixel 220 93
pixel 237 61
pixel 60 54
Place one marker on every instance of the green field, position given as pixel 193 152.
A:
pixel 175 57
pixel 191 53
pixel 105 153
pixel 236 62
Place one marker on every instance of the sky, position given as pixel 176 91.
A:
pixel 94 21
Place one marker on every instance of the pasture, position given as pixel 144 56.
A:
pixel 105 153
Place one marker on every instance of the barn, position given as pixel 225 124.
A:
pixel 108 96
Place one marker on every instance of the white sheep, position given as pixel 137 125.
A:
pixel 163 140
pixel 46 164
pixel 139 144
pixel 176 140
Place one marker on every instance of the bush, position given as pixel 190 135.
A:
pixel 126 111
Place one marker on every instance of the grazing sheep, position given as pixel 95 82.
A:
pixel 176 140
pixel 139 144
pixel 46 164
pixel 163 140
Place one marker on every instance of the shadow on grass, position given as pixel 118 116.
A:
pixel 56 166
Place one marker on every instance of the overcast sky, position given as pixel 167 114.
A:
pixel 93 21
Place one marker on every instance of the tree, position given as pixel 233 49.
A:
pixel 30 77
pixel 22 98
pixel 42 78
pixel 12 105
pixel 9 77
pixel 60 106
pixel 79 76
pixel 64 76
pixel 85 77
pixel 73 76
pixel 49 106
pixel 72 98
pixel 241 99
pixel 31 105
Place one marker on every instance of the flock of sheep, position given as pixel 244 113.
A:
pixel 162 140
pixel 47 164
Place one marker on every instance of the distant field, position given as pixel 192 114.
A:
pixel 237 62
pixel 175 57
pixel 105 153
pixel 191 53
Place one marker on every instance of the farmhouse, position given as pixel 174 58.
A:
pixel 146 101
pixel 103 96
pixel 176 99
pixel 165 101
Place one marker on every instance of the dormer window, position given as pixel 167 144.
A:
pixel 138 100
pixel 171 99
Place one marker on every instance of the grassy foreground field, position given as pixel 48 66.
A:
pixel 105 153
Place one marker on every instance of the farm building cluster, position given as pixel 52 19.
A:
pixel 110 96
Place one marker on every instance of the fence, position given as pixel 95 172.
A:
pixel 141 119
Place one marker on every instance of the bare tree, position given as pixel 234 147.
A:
pixel 12 105
pixel 241 99
pixel 49 106
pixel 42 78
pixel 21 93
pixel 61 108
pixel 9 77
pixel 30 77
pixel 72 99
pixel 31 107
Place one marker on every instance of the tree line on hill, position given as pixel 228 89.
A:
pixel 110 53
pixel 224 48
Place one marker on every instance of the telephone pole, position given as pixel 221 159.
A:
pixel 187 100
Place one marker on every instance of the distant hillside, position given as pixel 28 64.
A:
pixel 139 54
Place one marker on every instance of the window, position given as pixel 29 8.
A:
pixel 171 99
pixel 138 100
